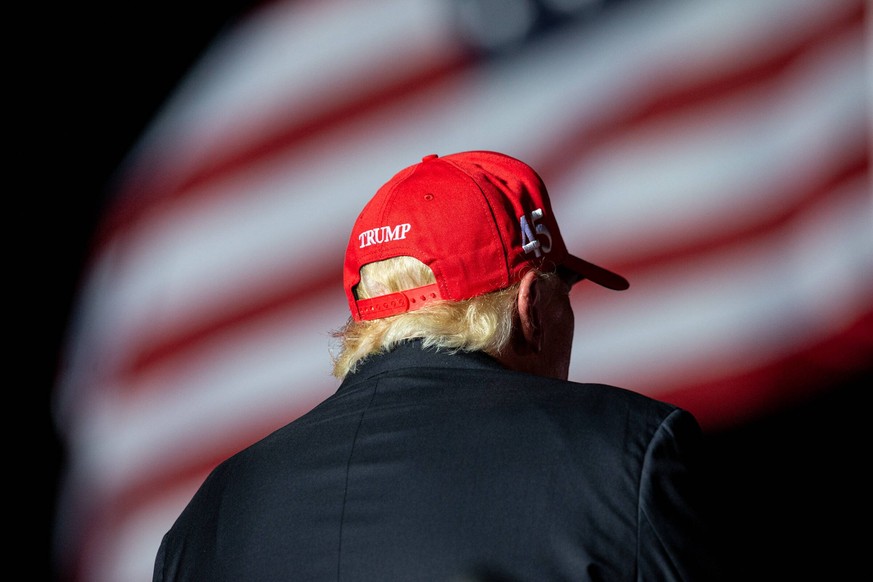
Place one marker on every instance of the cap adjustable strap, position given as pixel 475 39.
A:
pixel 396 303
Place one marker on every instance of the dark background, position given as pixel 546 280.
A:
pixel 108 70
pixel 789 488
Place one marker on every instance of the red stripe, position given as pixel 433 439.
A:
pixel 668 94
pixel 255 303
pixel 146 192
pixel 850 170
pixel 730 401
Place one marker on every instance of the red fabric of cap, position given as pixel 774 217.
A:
pixel 478 219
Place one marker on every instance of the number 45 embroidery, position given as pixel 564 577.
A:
pixel 529 241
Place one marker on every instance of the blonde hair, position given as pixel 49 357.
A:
pixel 483 323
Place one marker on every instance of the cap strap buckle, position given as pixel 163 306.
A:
pixel 397 303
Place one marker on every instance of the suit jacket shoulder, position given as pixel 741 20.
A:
pixel 427 465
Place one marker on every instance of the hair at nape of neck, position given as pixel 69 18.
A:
pixel 482 323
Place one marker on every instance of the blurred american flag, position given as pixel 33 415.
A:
pixel 716 153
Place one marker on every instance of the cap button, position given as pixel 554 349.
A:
pixel 429 157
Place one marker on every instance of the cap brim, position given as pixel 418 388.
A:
pixel 596 274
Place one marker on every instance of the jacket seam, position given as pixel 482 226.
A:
pixel 346 487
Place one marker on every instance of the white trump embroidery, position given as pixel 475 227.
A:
pixel 383 234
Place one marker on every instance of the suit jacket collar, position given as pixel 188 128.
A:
pixel 412 354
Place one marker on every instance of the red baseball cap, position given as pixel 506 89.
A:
pixel 478 219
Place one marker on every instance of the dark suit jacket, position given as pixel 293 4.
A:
pixel 433 466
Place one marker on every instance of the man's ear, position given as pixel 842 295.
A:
pixel 530 311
